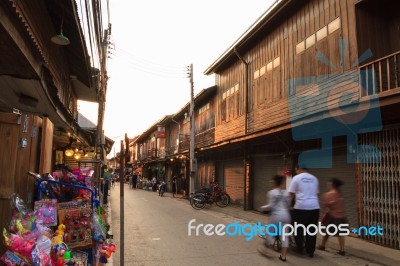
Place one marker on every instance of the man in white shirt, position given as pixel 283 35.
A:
pixel 304 190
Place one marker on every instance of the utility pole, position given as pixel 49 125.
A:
pixel 102 94
pixel 193 162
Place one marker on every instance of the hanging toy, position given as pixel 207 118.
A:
pixel 106 252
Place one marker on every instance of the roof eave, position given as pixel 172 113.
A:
pixel 262 21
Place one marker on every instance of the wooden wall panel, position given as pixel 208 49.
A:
pixel 230 129
pixel 16 161
pixel 23 158
pixel 205 174
pixel 9 135
pixel 46 146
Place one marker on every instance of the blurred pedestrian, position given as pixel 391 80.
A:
pixel 174 185
pixel 333 203
pixel 278 205
pixel 134 180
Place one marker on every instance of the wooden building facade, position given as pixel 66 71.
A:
pixel 174 158
pixel 314 81
pixel 42 76
pixel 310 81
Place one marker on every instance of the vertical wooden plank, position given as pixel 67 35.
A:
pixel 352 32
pixel 326 13
pixel 33 158
pixel 344 28
pixel 303 25
pixel 317 15
pixel 46 146
pixel 9 135
pixel 321 13
pixel 299 36
pixel 332 10
pixel 290 55
pixel 311 19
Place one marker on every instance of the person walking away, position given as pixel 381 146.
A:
pixel 333 203
pixel 174 185
pixel 134 180
pixel 278 203
pixel 304 190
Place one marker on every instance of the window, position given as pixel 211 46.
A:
pixel 229 103
pixel 319 35
pixel 334 25
pixel 204 108
pixel 277 62
pixel 269 66
pixel 322 33
pixel 262 70
pixel 300 47
pixel 310 41
pixel 256 74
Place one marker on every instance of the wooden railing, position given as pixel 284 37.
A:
pixel 381 75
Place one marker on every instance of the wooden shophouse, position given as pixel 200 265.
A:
pixel 318 82
pixel 170 150
pixel 150 150
pixel 44 69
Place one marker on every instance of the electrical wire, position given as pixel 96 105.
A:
pixel 145 61
pixel 144 65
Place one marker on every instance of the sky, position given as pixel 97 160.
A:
pixel 153 42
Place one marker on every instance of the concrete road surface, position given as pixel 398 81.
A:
pixel 156 233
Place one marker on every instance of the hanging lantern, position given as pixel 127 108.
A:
pixel 69 152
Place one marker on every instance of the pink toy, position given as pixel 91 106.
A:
pixel 46 211
pixel 18 244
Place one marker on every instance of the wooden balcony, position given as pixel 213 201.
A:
pixel 381 76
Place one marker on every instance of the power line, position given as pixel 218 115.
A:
pixel 146 66
pixel 146 61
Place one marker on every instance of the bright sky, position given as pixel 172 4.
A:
pixel 154 41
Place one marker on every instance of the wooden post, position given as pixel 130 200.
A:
pixel 121 202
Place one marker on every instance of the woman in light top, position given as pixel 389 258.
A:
pixel 278 204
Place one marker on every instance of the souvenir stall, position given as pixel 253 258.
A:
pixel 66 227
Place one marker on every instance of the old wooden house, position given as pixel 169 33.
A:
pixel 165 145
pixel 44 70
pixel 314 81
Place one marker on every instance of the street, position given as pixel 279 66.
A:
pixel 156 233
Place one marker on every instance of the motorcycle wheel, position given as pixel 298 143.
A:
pixel 223 201
pixel 198 202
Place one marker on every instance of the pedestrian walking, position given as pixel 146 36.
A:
pixel 134 180
pixel 278 204
pixel 333 203
pixel 174 185
pixel 304 190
